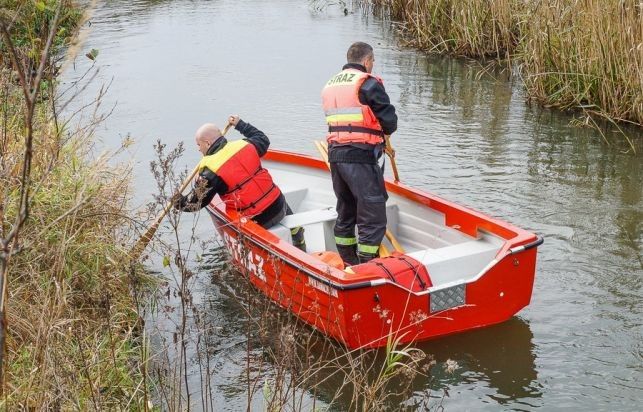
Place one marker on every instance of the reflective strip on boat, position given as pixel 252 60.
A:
pixel 448 298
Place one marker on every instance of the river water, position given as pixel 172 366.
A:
pixel 464 133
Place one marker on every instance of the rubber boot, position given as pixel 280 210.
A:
pixel 348 254
pixel 298 239
pixel 364 257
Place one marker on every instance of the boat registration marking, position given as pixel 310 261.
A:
pixel 245 256
pixel 322 287
pixel 255 262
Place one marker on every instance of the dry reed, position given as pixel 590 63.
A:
pixel 72 340
pixel 585 54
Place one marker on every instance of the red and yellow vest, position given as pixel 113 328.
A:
pixel 250 186
pixel 349 121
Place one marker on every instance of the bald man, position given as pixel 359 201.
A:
pixel 233 170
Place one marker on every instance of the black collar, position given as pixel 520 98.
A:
pixel 216 146
pixel 356 66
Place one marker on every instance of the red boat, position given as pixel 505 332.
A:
pixel 468 270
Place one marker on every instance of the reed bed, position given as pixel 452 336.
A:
pixel 578 54
pixel 586 54
pixel 475 28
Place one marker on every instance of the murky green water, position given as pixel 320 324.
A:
pixel 468 137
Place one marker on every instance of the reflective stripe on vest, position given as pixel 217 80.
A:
pixel 349 121
pixel 349 114
pixel 250 186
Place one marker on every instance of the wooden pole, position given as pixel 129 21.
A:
pixel 391 155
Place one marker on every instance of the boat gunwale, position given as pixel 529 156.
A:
pixel 513 236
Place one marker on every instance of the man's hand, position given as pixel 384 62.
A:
pixel 177 201
pixel 233 119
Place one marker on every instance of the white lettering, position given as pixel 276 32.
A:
pixel 253 262
pixel 323 287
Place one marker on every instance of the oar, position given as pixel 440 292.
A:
pixel 322 147
pixel 142 242
pixel 391 155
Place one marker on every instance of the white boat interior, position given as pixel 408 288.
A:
pixel 449 255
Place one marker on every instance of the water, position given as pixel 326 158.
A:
pixel 465 135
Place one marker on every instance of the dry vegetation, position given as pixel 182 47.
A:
pixel 69 315
pixel 571 53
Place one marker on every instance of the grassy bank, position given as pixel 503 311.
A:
pixel 71 316
pixel 571 54
pixel 71 340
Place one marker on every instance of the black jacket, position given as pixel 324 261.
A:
pixel 372 94
pixel 210 183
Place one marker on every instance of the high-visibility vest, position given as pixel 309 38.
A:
pixel 349 121
pixel 250 186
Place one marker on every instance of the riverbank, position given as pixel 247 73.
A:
pixel 572 55
pixel 72 329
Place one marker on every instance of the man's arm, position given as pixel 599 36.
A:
pixel 208 185
pixel 373 94
pixel 253 135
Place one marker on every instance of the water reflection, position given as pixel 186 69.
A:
pixel 503 356
pixel 499 359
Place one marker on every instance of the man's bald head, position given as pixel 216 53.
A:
pixel 205 136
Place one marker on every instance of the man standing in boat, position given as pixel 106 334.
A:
pixel 360 117
pixel 233 170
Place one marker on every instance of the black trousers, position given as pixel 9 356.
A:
pixel 361 201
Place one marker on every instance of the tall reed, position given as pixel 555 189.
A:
pixel 586 54
pixel 476 28
pixel 571 54
pixel 72 342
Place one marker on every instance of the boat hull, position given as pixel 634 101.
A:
pixel 364 312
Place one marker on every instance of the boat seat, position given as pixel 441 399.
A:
pixel 309 217
pixel 294 195
pixel 458 262
pixel 317 224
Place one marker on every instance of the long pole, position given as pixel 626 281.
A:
pixel 391 155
